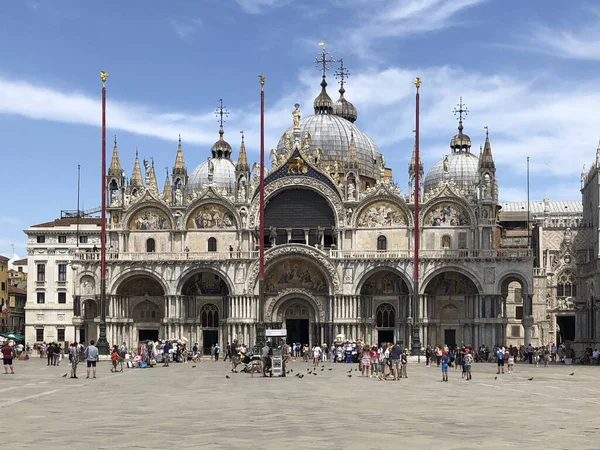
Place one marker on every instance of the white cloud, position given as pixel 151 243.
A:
pixel 583 44
pixel 184 28
pixel 401 18
pixel 259 6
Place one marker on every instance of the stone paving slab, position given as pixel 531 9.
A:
pixel 184 407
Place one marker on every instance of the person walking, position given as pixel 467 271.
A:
pixel 91 356
pixel 445 361
pixel 227 352
pixel 166 348
pixel 500 355
pixel 73 358
pixel 8 353
pixel 50 354
pixel 404 360
pixel 217 351
pixel 467 362
pixel 396 355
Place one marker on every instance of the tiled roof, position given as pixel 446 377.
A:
pixel 4 258
pixel 537 207
pixel 16 290
pixel 68 221
pixel 20 262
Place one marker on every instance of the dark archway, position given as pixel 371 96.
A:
pixel 299 210
pixel 451 283
pixel 205 283
pixel 384 282
pixel 140 285
pixel 150 245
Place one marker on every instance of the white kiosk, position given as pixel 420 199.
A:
pixel 277 338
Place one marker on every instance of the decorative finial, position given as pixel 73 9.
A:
pixel 461 109
pixel 152 159
pixel 179 138
pixel 167 170
pixel 261 80
pixel 103 76
pixel 487 132
pixel 242 133
pixel 136 152
pixel 115 139
pixel 417 83
pixel 324 60
pixel 341 73
pixel 221 112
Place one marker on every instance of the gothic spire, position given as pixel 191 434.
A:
pixel 167 193
pixel 179 167
pixel 136 176
pixel 115 169
pixel 413 163
pixel 151 183
pixel 487 160
pixel 242 162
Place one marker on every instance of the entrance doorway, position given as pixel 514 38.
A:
pixel 566 329
pixel 297 331
pixel 450 338
pixel 385 336
pixel 148 335
pixel 209 338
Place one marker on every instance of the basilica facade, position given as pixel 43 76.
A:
pixel 339 238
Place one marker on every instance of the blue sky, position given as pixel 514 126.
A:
pixel 528 70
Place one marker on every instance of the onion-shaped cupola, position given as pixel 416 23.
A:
pixel 342 107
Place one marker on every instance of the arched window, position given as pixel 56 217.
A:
pixel 382 243
pixel 385 316
pixel 567 284
pixel 209 315
pixel 150 245
pixel 212 244
pixel 446 242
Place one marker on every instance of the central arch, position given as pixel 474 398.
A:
pixel 299 312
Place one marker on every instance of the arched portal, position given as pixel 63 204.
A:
pixel 144 296
pixel 450 299
pixel 89 327
pixel 299 216
pixel 298 314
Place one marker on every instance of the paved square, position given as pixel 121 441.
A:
pixel 186 407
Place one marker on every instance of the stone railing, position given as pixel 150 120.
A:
pixel 539 271
pixel 168 256
pixel 503 253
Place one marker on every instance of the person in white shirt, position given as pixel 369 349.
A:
pixel 316 355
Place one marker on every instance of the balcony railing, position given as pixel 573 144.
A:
pixel 168 256
pixel 503 253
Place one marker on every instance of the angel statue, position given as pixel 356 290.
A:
pixel 306 144
pixel 275 157
pixel 317 155
pixel 296 115
pixel 256 170
pixel 148 170
pixel 287 143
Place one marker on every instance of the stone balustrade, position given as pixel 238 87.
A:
pixel 168 256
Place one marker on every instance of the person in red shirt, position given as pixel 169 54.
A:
pixel 7 354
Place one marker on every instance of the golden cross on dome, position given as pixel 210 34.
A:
pixel 324 60
pixel 461 109
pixel 342 72
pixel 221 112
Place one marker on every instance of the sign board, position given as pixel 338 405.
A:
pixel 276 333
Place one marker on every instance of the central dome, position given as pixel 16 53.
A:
pixel 223 175
pixel 332 134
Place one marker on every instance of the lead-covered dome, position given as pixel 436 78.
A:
pixel 460 168
pixel 332 134
pixel 223 175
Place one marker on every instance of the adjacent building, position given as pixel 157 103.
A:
pixel 51 247
pixel 3 290
pixel 15 313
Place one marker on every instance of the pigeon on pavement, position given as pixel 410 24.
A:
pixel 65 375
pixel 227 376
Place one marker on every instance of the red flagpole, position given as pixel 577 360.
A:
pixel 102 342
pixel 261 277
pixel 416 344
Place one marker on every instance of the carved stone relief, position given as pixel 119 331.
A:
pixel 382 214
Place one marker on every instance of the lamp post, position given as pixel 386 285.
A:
pixel 102 343
pixel 416 341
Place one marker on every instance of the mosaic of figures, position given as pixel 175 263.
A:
pixel 149 219
pixel 384 283
pixel 205 283
pixel 295 273
pixel 451 283
pixel 211 216
pixel 382 214
pixel 447 215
